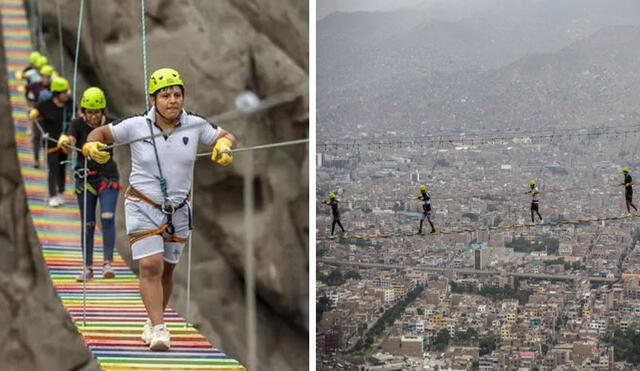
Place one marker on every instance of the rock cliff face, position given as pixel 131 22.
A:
pixel 221 48
pixel 36 332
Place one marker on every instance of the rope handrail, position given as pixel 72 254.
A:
pixel 275 100
pixel 488 228
pixel 502 139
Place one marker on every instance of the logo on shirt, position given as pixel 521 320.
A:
pixel 185 140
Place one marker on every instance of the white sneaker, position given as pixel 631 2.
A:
pixel 54 202
pixel 60 198
pixel 161 338
pixel 147 332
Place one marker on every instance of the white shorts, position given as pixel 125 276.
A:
pixel 141 217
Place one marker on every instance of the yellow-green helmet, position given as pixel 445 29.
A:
pixel 533 182
pixel 423 188
pixel 41 61
pixel 331 195
pixel 93 98
pixel 33 57
pixel 163 78
pixel 625 170
pixel 46 70
pixel 59 85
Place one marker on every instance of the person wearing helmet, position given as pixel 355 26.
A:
pixel 102 182
pixel 426 208
pixel 33 60
pixel 36 92
pixel 334 210
pixel 51 116
pixel 46 72
pixel 628 194
pixel 533 191
pixel 34 81
pixel 157 206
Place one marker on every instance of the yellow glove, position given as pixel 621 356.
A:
pixel 63 140
pixel 19 75
pixel 34 114
pixel 221 152
pixel 92 149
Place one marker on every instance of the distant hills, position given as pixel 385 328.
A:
pixel 517 63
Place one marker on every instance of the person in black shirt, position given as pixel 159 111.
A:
pixel 52 114
pixel 426 208
pixel 628 196
pixel 334 210
pixel 102 182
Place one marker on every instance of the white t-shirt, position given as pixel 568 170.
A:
pixel 177 153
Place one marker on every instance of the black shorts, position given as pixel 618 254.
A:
pixel 628 196
pixel 534 206
pixel 426 209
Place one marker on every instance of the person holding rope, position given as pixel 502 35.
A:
pixel 426 208
pixel 51 115
pixel 334 210
pixel 628 190
pixel 102 182
pixel 157 206
pixel 533 191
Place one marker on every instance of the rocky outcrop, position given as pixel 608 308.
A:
pixel 36 332
pixel 221 49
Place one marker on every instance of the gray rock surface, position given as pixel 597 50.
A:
pixel 221 48
pixel 36 332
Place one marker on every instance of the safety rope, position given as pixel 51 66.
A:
pixel 59 13
pixel 144 55
pixel 273 101
pixel 84 243
pixel 479 139
pixel 262 146
pixel 488 228
pixel 75 65
pixel 249 271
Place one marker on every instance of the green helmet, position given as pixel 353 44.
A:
pixel 41 61
pixel 93 98
pixel 46 70
pixel 533 182
pixel 423 188
pixel 59 85
pixel 626 170
pixel 33 57
pixel 331 195
pixel 163 78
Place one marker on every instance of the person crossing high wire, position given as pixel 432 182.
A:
pixel 628 194
pixel 426 208
pixel 533 191
pixel 157 206
pixel 334 210
pixel 102 183
pixel 52 114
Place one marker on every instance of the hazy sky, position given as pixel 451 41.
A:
pixel 325 7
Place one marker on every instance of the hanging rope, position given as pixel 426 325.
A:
pixel 59 12
pixel 249 270
pixel 144 55
pixel 75 64
pixel 84 243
